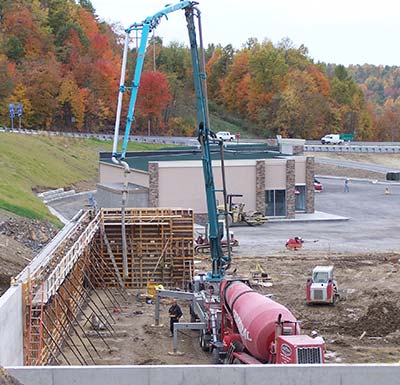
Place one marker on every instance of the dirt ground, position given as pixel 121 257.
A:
pixel 363 327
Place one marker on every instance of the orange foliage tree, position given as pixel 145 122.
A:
pixel 153 98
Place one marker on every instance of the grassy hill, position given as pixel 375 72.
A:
pixel 36 163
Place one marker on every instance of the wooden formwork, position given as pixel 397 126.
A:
pixel 159 246
pixel 160 250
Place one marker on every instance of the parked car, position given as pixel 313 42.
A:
pixel 225 136
pixel 318 185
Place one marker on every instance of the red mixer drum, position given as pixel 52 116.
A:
pixel 255 316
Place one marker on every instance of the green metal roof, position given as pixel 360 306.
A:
pixel 140 160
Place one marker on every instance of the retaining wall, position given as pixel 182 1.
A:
pixel 11 339
pixel 221 375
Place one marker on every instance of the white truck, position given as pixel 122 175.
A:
pixel 225 136
pixel 332 139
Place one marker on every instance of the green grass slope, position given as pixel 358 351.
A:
pixel 28 163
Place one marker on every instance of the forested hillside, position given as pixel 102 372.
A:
pixel 62 63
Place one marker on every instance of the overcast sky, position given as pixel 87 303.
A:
pixel 341 31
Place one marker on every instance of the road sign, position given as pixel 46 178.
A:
pixel 11 110
pixel 19 110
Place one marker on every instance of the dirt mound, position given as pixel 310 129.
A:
pixel 380 320
pixel 33 234
pixel 20 240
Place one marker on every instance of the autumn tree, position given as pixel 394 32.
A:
pixel 72 100
pixel 19 95
pixel 153 97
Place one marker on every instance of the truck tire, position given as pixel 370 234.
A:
pixel 204 340
pixel 215 357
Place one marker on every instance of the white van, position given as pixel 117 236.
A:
pixel 332 139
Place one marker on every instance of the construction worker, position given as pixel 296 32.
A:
pixel 175 313
pixel 346 185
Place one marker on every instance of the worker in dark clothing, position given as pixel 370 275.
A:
pixel 175 313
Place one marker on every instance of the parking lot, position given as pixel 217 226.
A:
pixel 373 224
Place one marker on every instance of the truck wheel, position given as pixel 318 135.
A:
pixel 205 339
pixel 236 361
pixel 215 357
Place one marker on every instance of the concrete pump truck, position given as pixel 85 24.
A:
pixel 237 324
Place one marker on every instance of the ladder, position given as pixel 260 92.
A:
pixel 35 326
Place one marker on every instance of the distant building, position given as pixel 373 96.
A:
pixel 276 184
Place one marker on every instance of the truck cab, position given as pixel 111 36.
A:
pixel 322 288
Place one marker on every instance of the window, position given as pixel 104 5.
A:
pixel 321 277
pixel 300 203
pixel 276 203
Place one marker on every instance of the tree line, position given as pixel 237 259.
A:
pixel 63 64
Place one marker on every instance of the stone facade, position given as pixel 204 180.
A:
pixel 310 192
pixel 260 186
pixel 290 189
pixel 298 150
pixel 153 185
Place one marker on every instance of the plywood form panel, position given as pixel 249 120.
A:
pixel 159 242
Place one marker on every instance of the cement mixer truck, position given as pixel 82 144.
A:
pixel 257 330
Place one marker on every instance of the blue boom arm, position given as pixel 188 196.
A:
pixel 219 262
pixel 145 27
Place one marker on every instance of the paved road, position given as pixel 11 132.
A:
pixel 373 224
pixel 354 164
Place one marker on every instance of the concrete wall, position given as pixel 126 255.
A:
pixel 11 339
pixel 181 184
pixel 110 195
pixel 112 173
pixel 202 374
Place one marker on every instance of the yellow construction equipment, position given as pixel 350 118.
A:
pixel 237 215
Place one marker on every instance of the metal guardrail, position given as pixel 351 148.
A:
pixel 378 149
pixel 366 147
pixel 106 137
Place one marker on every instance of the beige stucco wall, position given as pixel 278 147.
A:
pixel 112 173
pixel 300 170
pixel 181 184
pixel 275 174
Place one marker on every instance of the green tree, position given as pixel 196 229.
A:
pixel 87 4
pixel 15 49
